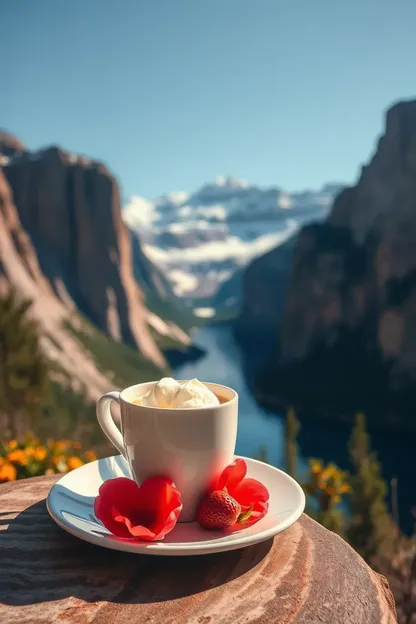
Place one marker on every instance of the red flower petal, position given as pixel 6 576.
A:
pixel 250 491
pixel 148 512
pixel 115 498
pixel 231 476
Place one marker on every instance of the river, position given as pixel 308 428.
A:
pixel 259 428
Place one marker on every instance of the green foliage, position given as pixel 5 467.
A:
pixel 24 384
pixel 172 311
pixel 68 414
pixel 124 363
pixel 371 528
pixel 292 427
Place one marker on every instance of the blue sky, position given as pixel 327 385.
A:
pixel 171 93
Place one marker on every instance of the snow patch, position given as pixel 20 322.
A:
pixel 139 213
pixel 233 248
pixel 183 283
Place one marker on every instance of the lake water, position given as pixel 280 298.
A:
pixel 326 440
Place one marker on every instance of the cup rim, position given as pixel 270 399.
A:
pixel 233 399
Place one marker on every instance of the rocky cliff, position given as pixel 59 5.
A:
pixel 20 269
pixel 64 247
pixel 264 284
pixel 348 337
pixel 70 208
pixel 9 146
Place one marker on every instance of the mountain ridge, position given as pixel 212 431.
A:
pixel 200 239
pixel 347 338
pixel 65 248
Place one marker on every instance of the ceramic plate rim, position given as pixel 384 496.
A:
pixel 181 549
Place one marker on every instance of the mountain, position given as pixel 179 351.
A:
pixel 160 297
pixel 199 240
pixel 10 146
pixel 264 285
pixel 65 247
pixel 347 340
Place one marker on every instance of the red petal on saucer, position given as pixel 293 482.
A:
pixel 232 475
pixel 147 513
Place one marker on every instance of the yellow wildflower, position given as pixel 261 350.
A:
pixel 316 466
pixel 325 474
pixel 59 464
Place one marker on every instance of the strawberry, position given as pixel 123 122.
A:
pixel 218 510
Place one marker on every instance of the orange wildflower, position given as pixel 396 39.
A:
pixel 39 453
pixel 8 472
pixel 12 444
pixel 90 455
pixel 18 456
pixel 74 462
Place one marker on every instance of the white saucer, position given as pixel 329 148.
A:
pixel 70 503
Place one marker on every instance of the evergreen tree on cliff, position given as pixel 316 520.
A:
pixel 24 383
pixel 371 529
pixel 292 427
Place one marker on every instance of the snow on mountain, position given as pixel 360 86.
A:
pixel 200 239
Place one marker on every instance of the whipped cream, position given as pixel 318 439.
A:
pixel 170 393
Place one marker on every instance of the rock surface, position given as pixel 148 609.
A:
pixel 348 337
pixel 10 145
pixel 70 207
pixel 305 575
pixel 19 269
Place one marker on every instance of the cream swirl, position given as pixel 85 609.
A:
pixel 170 393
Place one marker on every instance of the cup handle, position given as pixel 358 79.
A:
pixel 106 421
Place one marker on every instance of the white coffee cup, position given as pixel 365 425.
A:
pixel 191 446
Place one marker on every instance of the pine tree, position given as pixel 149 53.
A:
pixel 371 529
pixel 24 383
pixel 292 427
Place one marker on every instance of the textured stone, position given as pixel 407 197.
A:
pixel 306 575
